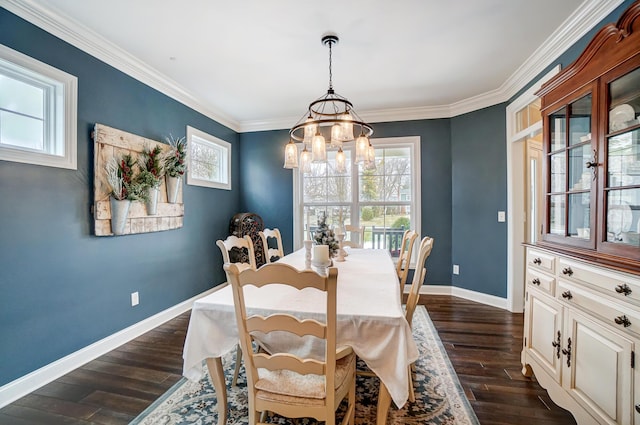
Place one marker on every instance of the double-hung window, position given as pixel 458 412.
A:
pixel 386 201
pixel 37 112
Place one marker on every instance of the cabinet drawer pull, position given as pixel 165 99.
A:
pixel 567 271
pixel 557 344
pixel 567 295
pixel 567 352
pixel 622 320
pixel 537 261
pixel 623 289
pixel 536 281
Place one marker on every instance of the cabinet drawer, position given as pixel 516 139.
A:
pixel 617 285
pixel 541 281
pixel 621 316
pixel 541 260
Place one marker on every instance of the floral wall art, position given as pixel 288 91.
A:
pixel 131 178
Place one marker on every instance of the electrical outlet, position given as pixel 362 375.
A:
pixel 456 269
pixel 135 299
pixel 502 216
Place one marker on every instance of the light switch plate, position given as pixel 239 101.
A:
pixel 135 299
pixel 502 216
pixel 456 269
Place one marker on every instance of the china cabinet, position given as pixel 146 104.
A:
pixel 582 296
pixel 591 121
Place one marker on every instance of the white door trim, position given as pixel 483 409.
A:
pixel 515 204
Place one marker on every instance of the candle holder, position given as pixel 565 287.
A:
pixel 307 254
pixel 321 268
pixel 341 253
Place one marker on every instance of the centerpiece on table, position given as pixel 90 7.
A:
pixel 325 236
pixel 175 165
pixel 125 187
pixel 152 171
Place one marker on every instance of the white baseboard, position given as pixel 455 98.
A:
pixel 36 379
pixel 467 294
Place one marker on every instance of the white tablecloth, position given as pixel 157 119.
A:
pixel 370 318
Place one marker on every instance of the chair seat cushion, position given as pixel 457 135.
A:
pixel 291 387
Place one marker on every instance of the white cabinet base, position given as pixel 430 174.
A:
pixel 558 394
pixel 581 327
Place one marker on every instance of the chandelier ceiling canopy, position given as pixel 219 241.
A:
pixel 330 119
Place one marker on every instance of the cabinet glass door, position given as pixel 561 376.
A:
pixel 569 197
pixel 623 161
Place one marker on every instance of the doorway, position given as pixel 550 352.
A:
pixel 524 188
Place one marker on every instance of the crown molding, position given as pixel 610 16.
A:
pixel 267 125
pixel 382 115
pixel 82 37
pixel 587 16
pixel 580 22
pixel 406 114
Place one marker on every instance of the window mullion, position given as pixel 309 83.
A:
pixel 355 193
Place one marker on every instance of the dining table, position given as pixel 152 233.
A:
pixel 370 319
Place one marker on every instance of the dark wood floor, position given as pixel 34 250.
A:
pixel 483 344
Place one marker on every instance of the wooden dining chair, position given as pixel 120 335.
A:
pixel 272 254
pixel 404 258
pixel 356 236
pixel 420 272
pixel 281 382
pixel 426 245
pixel 238 251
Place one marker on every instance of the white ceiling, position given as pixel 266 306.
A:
pixel 256 64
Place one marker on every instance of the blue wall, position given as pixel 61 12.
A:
pixel 266 187
pixel 479 176
pixel 61 288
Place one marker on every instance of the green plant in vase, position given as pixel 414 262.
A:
pixel 152 170
pixel 325 236
pixel 175 164
pixel 124 188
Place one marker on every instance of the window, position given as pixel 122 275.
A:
pixel 209 160
pixel 528 116
pixel 37 112
pixel 386 201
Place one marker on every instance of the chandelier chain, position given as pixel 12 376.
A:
pixel 330 72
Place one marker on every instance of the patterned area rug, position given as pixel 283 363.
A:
pixel 439 396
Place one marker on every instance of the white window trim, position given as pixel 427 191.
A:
pixel 414 141
pixel 214 141
pixel 69 131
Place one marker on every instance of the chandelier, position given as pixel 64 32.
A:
pixel 330 120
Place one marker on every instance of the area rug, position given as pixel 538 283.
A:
pixel 439 396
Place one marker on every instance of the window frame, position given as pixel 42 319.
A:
pixel 60 113
pixel 413 142
pixel 215 143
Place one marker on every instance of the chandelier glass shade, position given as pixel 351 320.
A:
pixel 329 120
